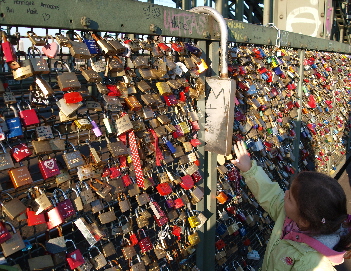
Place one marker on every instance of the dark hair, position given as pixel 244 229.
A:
pixel 321 198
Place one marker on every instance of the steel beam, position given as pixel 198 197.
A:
pixel 149 19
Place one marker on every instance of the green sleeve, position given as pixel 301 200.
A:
pixel 268 194
pixel 313 261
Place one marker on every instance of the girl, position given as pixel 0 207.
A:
pixel 311 229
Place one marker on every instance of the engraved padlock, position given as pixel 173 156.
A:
pixel 67 80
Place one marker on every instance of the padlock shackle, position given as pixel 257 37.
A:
pixel 58 190
pixel 69 240
pixel 75 34
pixel 12 227
pixel 62 63
pixel 31 52
pixel 90 248
pixel 224 35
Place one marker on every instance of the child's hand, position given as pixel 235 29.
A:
pixel 243 160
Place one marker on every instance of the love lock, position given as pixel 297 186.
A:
pixel 221 97
pixel 253 255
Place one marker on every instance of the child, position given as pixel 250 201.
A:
pixel 311 229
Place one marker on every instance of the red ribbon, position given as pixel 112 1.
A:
pixel 136 159
pixel 159 156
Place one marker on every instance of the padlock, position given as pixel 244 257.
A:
pixel 44 91
pixel 28 116
pixel 41 201
pixel 6 161
pixel 91 44
pixel 67 80
pixel 105 46
pixel 128 249
pixel 4 233
pixel 39 64
pixel 123 125
pixel 73 159
pixel 193 238
pixel 13 208
pixel 78 49
pixel 8 49
pixel 86 230
pixel 95 127
pixel 72 97
pixel 107 217
pixel 20 176
pixel 63 41
pixel 104 188
pixel 44 132
pixel 138 266
pixel 68 109
pixel 53 216
pixel 41 262
pixel 48 167
pixel 145 243
pixel 9 97
pixel 50 49
pixel 120 49
pixel 192 219
pixel 90 75
pixel 25 70
pixel 66 206
pixel 99 260
pixel 75 257
pixel 14 125
pixel 14 244
pixel 35 39
pixel 57 144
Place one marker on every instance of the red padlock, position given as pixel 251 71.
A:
pixel 164 189
pixel 196 176
pixel 8 49
pixel 20 151
pixel 113 90
pixel 66 206
pixel 53 217
pixel 4 233
pixel 48 168
pixel 177 47
pixel 164 47
pixel 74 258
pixel 133 239
pixel 72 97
pixel 170 100
pixel 145 243
pixel 33 219
pixel 187 182
pixel 28 116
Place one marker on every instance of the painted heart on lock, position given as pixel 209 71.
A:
pixel 49 164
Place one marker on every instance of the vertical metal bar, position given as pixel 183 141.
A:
pixel 296 143
pixel 267 11
pixel 222 8
pixel 239 10
pixel 194 3
pixel 150 1
pixel 186 4
pixel 201 151
pixel 249 18
pixel 211 181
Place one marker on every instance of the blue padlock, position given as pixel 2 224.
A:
pixel 169 145
pixel 94 49
pixel 221 229
pixel 242 230
pixel 14 125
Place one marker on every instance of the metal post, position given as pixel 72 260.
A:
pixel 249 17
pixel 267 12
pixel 186 4
pixel 296 143
pixel 211 182
pixel 222 7
pixel 239 10
pixel 201 151
pixel 150 1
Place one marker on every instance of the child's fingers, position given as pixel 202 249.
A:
pixel 236 150
pixel 242 147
